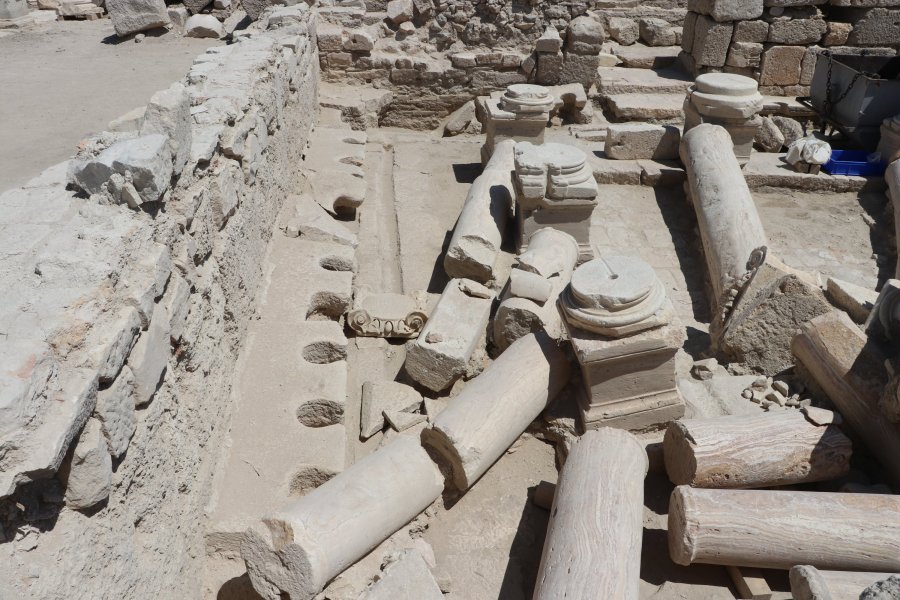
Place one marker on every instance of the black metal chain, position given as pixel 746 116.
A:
pixel 828 101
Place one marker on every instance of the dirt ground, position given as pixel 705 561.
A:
pixel 70 78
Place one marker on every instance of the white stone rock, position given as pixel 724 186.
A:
pixel 88 478
pixel 176 301
pixel 132 16
pixel 549 41
pixel 359 40
pixel 147 158
pixel 314 224
pixel 627 141
pixel 204 26
pixel 150 356
pixel 169 113
pixel 115 342
pixel 401 421
pixel 379 397
pixel 400 11
pixel 406 578
pixel 856 300
pixel 115 412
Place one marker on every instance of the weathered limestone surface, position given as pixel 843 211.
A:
pixel 729 223
pixel 478 233
pixel 892 176
pixel 810 583
pixel 495 408
pixel 297 550
pixel 407 578
pixel 779 529
pixel 130 16
pixel 749 451
pixel 839 358
pixel 593 543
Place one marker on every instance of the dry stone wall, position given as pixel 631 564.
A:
pixel 130 275
pixel 777 42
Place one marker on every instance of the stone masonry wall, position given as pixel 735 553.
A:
pixel 777 41
pixel 121 322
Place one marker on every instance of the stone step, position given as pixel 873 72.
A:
pixel 619 80
pixel 646 107
pixel 360 106
pixel 640 56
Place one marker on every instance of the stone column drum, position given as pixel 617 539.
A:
pixel 625 335
pixel 555 187
pixel 732 101
pixel 520 114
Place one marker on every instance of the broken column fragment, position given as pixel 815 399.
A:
pixel 764 450
pixel 729 100
pixel 779 529
pixel 478 233
pixel 593 544
pixel 810 583
pixel 441 353
pixel 295 552
pixel 554 188
pixel 520 114
pixel 495 408
pixel 625 335
pixel 841 360
pixel 539 277
pixel 730 228
pixel 386 315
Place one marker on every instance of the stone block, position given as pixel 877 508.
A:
pixel 145 280
pixel 781 65
pixel 194 6
pixel 751 31
pixel 400 11
pixel 150 356
pixel 657 32
pixel 808 65
pixel 727 10
pixel 379 397
pixel 329 37
pixel 791 130
pixel 88 477
pixel 623 30
pixel 585 36
pixel 114 342
pixel 856 300
pixel 876 27
pixel 176 301
pixel 254 8
pixel 744 54
pixel 115 412
pixel 796 32
pixel 169 113
pixel 549 69
pixel 626 141
pixel 147 158
pixel 456 327
pixel 406 577
pixel 768 137
pixel 687 32
pixel 204 26
pixel 13 9
pixel 132 16
pixel 359 40
pixel 711 41
pixel 549 42
pixel 837 33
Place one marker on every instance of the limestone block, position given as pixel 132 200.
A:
pixel 886 589
pixel 781 65
pixel 145 280
pixel 493 410
pixel 627 141
pixel 115 412
pixel 656 32
pixel 13 9
pixel 549 42
pixel 837 33
pixel 791 130
pixel 114 342
pixel 460 120
pixel 441 353
pixel 225 191
pixel 195 6
pixel 400 11
pixel 296 551
pixel 204 26
pixel 744 54
pixel 406 577
pixel 88 478
pixel 359 40
pixel 254 8
pixel 855 300
pixel 330 37
pixel 314 224
pixel 148 160
pixel 728 10
pixel 751 31
pixel 810 583
pixel 876 27
pixel 769 138
pixel 889 144
pixel 585 36
pixel 688 30
pixel 711 41
pixel 150 356
pixel 400 421
pixel 379 397
pixel 132 16
pixel 623 30
pixel 176 302
pixel 169 113
pixel 796 32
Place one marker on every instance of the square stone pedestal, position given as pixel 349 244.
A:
pixel 742 131
pixel 570 217
pixel 629 381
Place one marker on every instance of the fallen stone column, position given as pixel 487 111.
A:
pixel 541 275
pixel 892 175
pixel 746 451
pixel 729 223
pixel 809 583
pixel 297 551
pixel 495 408
pixel 779 529
pixel 478 234
pixel 593 545
pixel 850 370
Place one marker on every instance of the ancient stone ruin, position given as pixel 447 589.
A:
pixel 452 299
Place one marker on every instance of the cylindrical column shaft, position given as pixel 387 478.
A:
pixel 495 408
pixel 593 545
pixel 809 583
pixel 295 552
pixel 892 175
pixel 478 234
pixel 729 223
pixel 745 451
pixel 779 529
